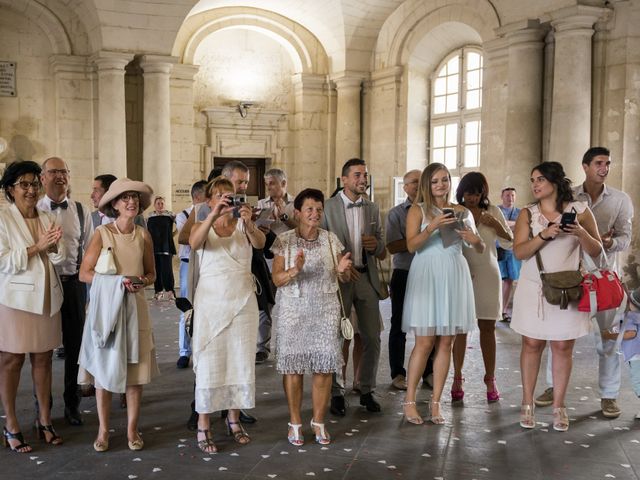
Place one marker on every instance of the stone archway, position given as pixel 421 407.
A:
pixel 294 137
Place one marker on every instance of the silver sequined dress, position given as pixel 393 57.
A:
pixel 307 311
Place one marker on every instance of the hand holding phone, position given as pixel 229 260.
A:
pixel 568 218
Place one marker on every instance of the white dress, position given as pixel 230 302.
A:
pixel 532 315
pixel 225 324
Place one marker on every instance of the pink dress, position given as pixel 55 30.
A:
pixel 532 315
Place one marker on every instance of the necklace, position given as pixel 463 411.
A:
pixel 133 232
pixel 307 239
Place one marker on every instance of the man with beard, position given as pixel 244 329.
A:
pixel 356 222
pixel 75 220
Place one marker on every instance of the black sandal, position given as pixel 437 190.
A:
pixel 240 436
pixel 55 438
pixel 7 435
pixel 207 442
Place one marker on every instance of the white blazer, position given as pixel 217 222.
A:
pixel 22 279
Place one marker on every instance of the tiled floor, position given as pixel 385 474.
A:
pixel 479 441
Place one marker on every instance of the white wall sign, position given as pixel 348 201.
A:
pixel 7 79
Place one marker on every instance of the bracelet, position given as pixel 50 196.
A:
pixel 545 239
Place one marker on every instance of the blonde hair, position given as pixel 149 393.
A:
pixel 424 192
pixel 218 184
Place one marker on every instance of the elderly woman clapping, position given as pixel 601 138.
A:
pixel 30 299
pixel 307 266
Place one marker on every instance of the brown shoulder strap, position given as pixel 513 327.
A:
pixel 538 257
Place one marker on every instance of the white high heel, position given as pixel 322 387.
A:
pixel 323 438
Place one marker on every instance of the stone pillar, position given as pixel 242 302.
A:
pixel 523 139
pixel 494 113
pixel 73 92
pixel 185 155
pixel 348 128
pixel 309 163
pixel 156 137
pixel 571 101
pixel 112 121
pixel 387 125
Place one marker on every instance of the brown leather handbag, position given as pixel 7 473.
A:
pixel 558 288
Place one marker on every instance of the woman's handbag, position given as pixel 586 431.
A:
pixel 558 288
pixel 106 264
pixel 345 324
pixel 602 289
pixel 384 286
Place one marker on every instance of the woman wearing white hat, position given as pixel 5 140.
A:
pixel 130 270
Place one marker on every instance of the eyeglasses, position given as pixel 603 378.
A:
pixel 58 171
pixel 125 197
pixel 36 185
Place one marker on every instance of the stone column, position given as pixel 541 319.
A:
pixel 523 139
pixel 185 154
pixel 308 166
pixel 156 137
pixel 387 124
pixel 348 126
pixel 112 121
pixel 74 132
pixel 494 111
pixel 571 102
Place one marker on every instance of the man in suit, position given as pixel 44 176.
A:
pixel 356 222
pixel 75 220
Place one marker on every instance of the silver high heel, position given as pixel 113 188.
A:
pixel 322 438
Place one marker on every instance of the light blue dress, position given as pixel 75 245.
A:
pixel 439 297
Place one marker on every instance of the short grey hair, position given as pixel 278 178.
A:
pixel 406 175
pixel 229 167
pixel 276 173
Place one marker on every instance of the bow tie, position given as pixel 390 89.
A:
pixel 63 205
pixel 355 205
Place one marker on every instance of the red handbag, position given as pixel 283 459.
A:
pixel 602 287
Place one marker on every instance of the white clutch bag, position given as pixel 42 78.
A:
pixel 106 265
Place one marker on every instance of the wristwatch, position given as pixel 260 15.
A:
pixel 284 217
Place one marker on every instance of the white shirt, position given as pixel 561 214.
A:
pixel 70 223
pixel 278 226
pixel 355 224
pixel 181 219
pixel 612 209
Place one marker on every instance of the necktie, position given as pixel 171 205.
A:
pixel 63 205
pixel 354 205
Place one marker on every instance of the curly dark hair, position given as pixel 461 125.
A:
pixel 554 173
pixel 311 193
pixel 474 182
pixel 14 171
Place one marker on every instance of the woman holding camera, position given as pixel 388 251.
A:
pixel 540 229
pixel 225 322
pixel 132 252
pixel 438 302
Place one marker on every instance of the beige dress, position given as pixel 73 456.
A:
pixel 128 253
pixel 26 332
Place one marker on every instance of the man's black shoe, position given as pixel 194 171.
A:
pixel 261 357
pixel 369 402
pixel 72 415
pixel 192 423
pixel 337 406
pixel 244 416
pixel 183 362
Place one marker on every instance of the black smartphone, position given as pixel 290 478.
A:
pixel 568 218
pixel 449 212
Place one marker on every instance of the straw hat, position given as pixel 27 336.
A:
pixel 123 185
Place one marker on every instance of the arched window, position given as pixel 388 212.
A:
pixel 456 104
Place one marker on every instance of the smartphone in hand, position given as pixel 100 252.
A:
pixel 449 212
pixel 568 218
